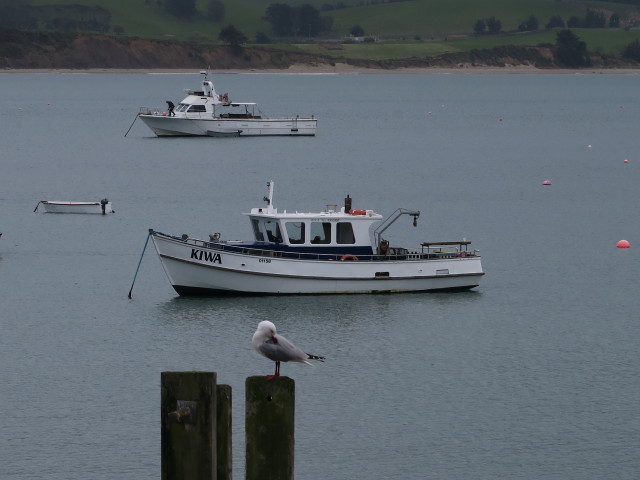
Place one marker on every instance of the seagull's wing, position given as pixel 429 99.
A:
pixel 282 350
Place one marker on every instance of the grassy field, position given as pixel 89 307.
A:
pixel 411 28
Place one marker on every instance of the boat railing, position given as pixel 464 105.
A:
pixel 427 251
pixel 448 249
pixel 151 111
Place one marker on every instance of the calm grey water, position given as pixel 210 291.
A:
pixel 534 375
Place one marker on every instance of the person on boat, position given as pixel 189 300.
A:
pixel 171 107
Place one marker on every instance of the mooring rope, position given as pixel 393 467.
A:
pixel 140 261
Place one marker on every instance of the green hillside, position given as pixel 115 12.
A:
pixel 407 28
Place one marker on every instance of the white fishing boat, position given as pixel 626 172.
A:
pixel 102 207
pixel 206 113
pixel 333 251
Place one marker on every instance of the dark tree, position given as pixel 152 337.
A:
pixel 182 9
pixel 570 50
pixel 494 25
pixel 287 21
pixel 17 14
pixel 479 27
pixel 356 31
pixel 594 19
pixel 232 36
pixel 262 38
pixel 555 22
pixel 280 16
pixel 529 25
pixel 632 51
pixel 574 22
pixel 614 20
pixel 307 21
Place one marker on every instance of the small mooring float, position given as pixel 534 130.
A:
pixel 335 251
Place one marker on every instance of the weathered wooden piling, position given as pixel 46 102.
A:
pixel 191 438
pixel 223 436
pixel 269 428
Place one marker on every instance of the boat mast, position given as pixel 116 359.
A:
pixel 269 197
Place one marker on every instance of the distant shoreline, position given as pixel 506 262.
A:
pixel 341 68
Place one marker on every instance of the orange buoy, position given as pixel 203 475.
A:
pixel 623 244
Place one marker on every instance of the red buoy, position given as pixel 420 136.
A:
pixel 623 244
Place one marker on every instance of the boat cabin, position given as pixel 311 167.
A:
pixel 346 230
pixel 315 232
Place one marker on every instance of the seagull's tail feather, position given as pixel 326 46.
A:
pixel 315 357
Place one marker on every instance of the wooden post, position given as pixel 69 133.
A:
pixel 188 437
pixel 269 426
pixel 223 437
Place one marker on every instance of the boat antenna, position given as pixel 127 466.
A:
pixel 269 197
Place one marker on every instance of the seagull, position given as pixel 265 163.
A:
pixel 277 348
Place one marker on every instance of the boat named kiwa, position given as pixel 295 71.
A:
pixel 205 112
pixel 330 252
pixel 102 207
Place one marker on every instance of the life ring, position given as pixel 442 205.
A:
pixel 350 258
pixel 358 211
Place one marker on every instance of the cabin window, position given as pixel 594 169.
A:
pixel 273 231
pixel 320 232
pixel 344 233
pixel 197 108
pixel 295 231
pixel 256 231
pixel 183 107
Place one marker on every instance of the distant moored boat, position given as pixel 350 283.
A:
pixel 102 207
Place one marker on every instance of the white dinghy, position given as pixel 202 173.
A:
pixel 329 252
pixel 102 207
pixel 204 112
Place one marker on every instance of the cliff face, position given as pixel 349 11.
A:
pixel 25 50
pixel 20 50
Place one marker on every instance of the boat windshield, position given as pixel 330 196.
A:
pixel 256 230
pixel 320 232
pixel 344 233
pixel 295 231
pixel 273 231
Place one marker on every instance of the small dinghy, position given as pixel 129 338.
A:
pixel 102 207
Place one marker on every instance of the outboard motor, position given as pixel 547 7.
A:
pixel 103 204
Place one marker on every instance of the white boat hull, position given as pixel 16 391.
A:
pixel 194 269
pixel 163 125
pixel 76 207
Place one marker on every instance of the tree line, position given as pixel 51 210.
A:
pixel 592 19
